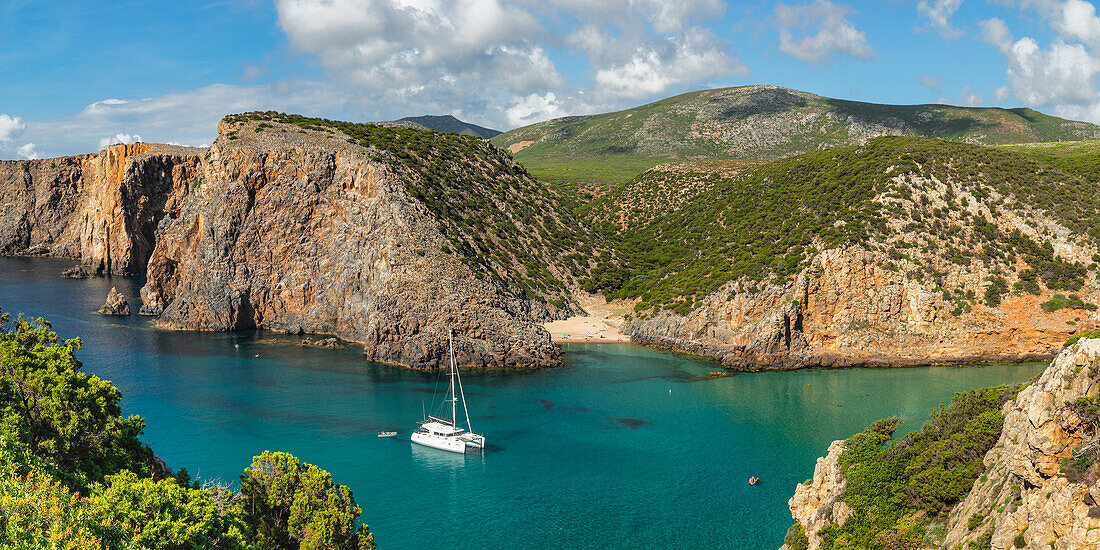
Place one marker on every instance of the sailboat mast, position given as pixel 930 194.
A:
pixel 454 398
pixel 463 394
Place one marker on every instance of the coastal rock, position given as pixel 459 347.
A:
pixel 1026 490
pixel 815 503
pixel 322 343
pixel 116 304
pixel 77 272
pixel 100 209
pixel 848 308
pixel 302 232
pixel 1029 494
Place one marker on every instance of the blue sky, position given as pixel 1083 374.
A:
pixel 76 76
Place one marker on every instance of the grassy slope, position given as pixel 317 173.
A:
pixel 497 219
pixel 756 224
pixel 611 148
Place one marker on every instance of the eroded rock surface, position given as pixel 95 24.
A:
pixel 1026 491
pixel 100 209
pixel 116 304
pixel 1028 496
pixel 815 503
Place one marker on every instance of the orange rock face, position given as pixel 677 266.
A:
pixel 100 209
pixel 847 309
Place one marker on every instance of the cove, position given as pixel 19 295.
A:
pixel 623 446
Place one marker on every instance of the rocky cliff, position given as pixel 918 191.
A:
pixel 301 231
pixel 1038 487
pixel 380 235
pixel 101 209
pixel 863 257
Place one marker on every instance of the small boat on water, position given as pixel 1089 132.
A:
pixel 386 434
pixel 753 480
pixel 443 433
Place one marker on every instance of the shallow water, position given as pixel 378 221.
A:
pixel 621 447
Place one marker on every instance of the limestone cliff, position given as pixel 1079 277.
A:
pixel 100 209
pixel 1033 491
pixel 1039 484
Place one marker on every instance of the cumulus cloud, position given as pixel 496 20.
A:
pixel 695 56
pixel 28 151
pixel 1060 75
pixel 939 14
pixel 119 139
pixel 969 97
pixel 931 82
pixel 9 127
pixel 492 62
pixel 835 34
pixel 492 58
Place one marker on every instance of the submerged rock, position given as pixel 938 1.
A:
pixel 116 304
pixel 77 272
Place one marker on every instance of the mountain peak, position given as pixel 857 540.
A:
pixel 448 123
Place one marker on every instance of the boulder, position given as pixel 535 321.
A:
pixel 77 272
pixel 116 304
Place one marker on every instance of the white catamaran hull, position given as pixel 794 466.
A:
pixel 439 442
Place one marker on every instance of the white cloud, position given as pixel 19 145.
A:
pixel 969 97
pixel 835 34
pixel 492 58
pixel 118 139
pixel 931 82
pixel 694 57
pixel 28 152
pixel 9 127
pixel 939 14
pixel 1060 76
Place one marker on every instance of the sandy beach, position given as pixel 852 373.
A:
pixel 600 325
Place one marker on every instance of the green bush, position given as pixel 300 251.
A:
pixel 890 483
pixel 73 473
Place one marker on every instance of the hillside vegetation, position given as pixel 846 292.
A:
pixel 753 122
pixel 899 488
pixel 683 232
pixel 502 223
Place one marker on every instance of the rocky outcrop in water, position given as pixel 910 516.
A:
pixel 116 304
pixel 100 209
pixel 816 503
pixel 302 229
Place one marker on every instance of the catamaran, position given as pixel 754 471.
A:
pixel 444 433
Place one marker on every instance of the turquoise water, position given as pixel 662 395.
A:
pixel 621 447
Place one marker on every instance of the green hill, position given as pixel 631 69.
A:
pixel 754 122
pixel 448 123
pixel 683 231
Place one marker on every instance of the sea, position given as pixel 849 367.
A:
pixel 622 447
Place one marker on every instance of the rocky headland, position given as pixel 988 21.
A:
pixel 1037 486
pixel 102 209
pixel 298 225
